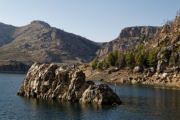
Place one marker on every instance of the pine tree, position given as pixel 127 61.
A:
pixel 129 58
pixel 94 63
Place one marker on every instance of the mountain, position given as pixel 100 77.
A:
pixel 39 42
pixel 6 33
pixel 20 47
pixel 128 38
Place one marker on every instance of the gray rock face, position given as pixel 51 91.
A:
pixel 50 82
pixel 163 57
pixel 128 38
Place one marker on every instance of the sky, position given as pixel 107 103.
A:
pixel 97 20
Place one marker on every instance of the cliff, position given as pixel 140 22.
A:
pixel 128 38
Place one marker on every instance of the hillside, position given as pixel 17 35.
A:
pixel 154 61
pixel 128 38
pixel 6 33
pixel 39 42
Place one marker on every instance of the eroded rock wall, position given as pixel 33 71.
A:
pixel 52 82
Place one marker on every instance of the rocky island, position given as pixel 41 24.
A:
pixel 49 81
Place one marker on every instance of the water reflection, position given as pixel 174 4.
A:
pixel 138 104
pixel 60 109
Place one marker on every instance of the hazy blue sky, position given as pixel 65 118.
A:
pixel 98 20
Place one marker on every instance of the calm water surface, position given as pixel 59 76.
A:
pixel 138 104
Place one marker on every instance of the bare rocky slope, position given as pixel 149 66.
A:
pixel 128 38
pixel 39 42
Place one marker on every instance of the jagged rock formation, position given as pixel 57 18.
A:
pixel 128 38
pixel 167 39
pixel 52 82
pixel 39 42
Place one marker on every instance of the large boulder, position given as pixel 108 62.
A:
pixel 51 82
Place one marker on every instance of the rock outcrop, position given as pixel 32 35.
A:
pixel 52 82
pixel 128 38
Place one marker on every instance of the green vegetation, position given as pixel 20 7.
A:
pixel 94 63
pixel 138 56
pixel 134 57
pixel 129 58
pixel 172 59
pixel 111 58
pixel 152 57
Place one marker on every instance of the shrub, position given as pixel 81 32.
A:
pixel 99 66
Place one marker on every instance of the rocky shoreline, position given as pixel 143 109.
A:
pixel 50 82
pixel 148 78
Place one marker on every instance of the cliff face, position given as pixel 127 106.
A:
pixel 52 82
pixel 128 38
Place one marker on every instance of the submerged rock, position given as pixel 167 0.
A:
pixel 50 82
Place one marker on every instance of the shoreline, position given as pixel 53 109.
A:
pixel 124 77
pixel 141 85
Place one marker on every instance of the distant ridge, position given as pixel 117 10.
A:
pixel 39 42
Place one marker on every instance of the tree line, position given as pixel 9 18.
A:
pixel 138 56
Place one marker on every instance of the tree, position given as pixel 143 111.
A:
pixel 140 54
pixel 104 63
pixel 140 58
pixel 121 60
pixel 152 57
pixel 140 47
pixel 129 58
pixel 111 59
pixel 94 63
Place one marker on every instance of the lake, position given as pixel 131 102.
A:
pixel 138 104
